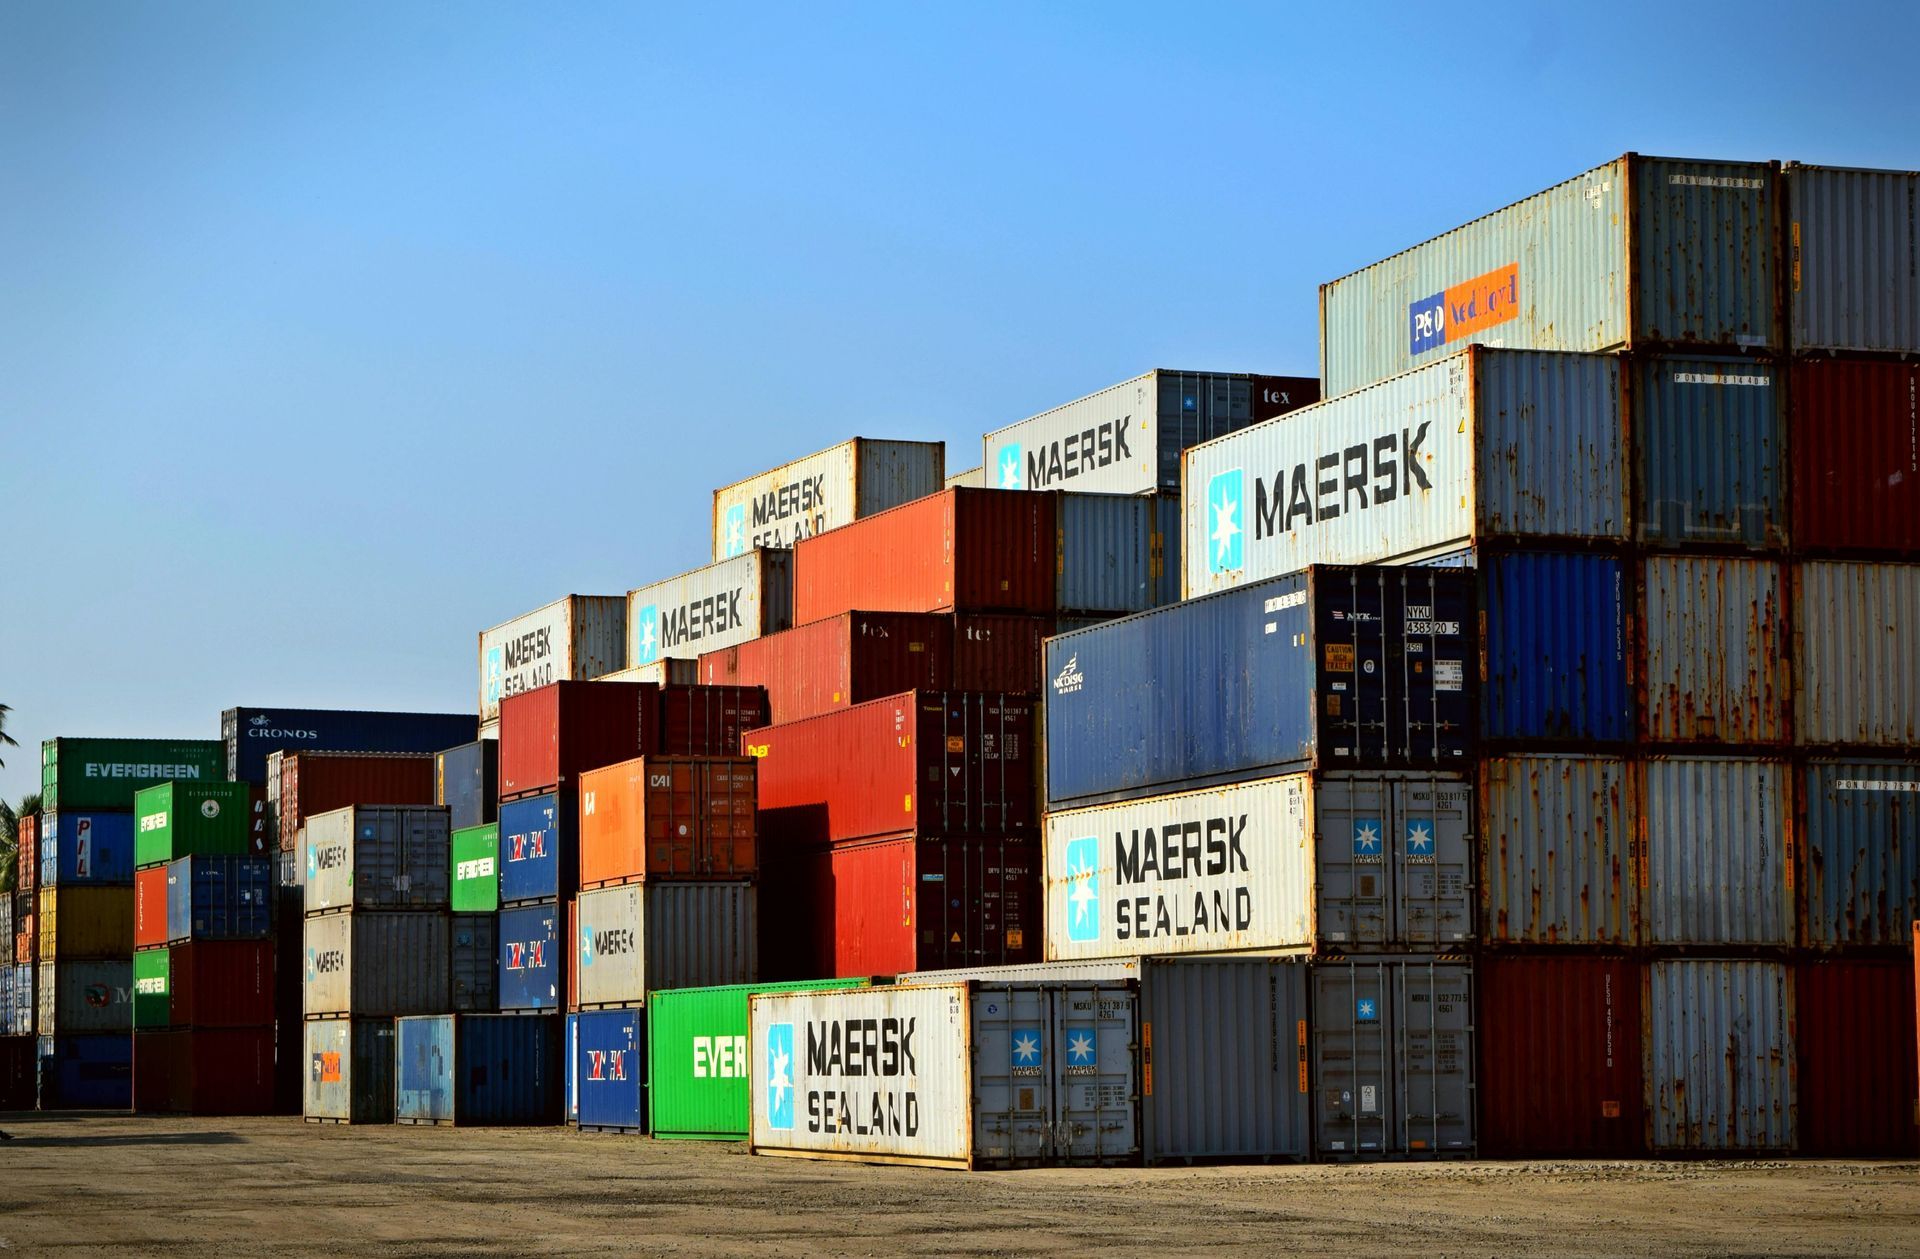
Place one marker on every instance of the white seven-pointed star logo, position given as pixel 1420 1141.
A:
pixel 1366 838
pixel 779 1080
pixel 649 637
pixel 1010 468
pixel 1364 1009
pixel 1084 898
pixel 1419 838
pixel 1080 1048
pixel 1026 1048
pixel 1225 529
pixel 736 533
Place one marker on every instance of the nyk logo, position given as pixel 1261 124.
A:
pixel 1078 453
pixel 603 1064
pixel 531 955
pixel 1070 678
pixel 527 846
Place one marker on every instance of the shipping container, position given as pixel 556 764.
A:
pixel 1715 649
pixel 1855 434
pixel 223 1071
pixel 379 857
pixel 728 602
pixel 84 922
pixel 923 763
pixel 220 898
pixel 174 820
pixel 1857 654
pixel 253 734
pixel 971 479
pixel 532 969
pixel 83 774
pixel 1718 852
pixel 610 1076
pixel 539 858
pixel 840 661
pixel 668 817
pixel 552 735
pixel 835 487
pixel 312 783
pixel 706 720
pixel 574 638
pixel 210 983
pixel 668 671
pixel 1559 851
pixel 18 1004
pixel 380 965
pixel 637 937
pixel 1852 254
pixel 476 869
pixel 479 1069
pixel 1854 1043
pixel 1553 641
pixel 1710 435
pixel 1639 253
pixel 1116 553
pixel 78 847
pixel 1003 652
pixel 82 998
pixel 1393 1058
pixel 1341 668
pixel 86 1072
pixel 572 1053
pixel 1484 445
pixel 153 988
pixel 1127 438
pixel 26 852
pixel 1561 1054
pixel 1861 822
pixel 150 905
pixel 1720 1056
pixel 467 780
pixel 1337 862
pixel 474 953
pixel 696 1061
pixel 349 1070
pixel 19 1070
pixel 969 1075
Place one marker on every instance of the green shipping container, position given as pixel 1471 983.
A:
pixel 476 869
pixel 153 988
pixel 184 819
pixel 697 1078
pixel 105 773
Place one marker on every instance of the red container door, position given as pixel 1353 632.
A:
pixel 27 852
pixel 162 1073
pixel 707 720
pixel 998 652
pixel 1856 1054
pixel 1855 487
pixel 223 983
pixel 320 782
pixel 150 907
pixel 907 904
pixel 551 735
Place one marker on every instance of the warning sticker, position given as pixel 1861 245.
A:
pixel 1448 675
pixel 1339 657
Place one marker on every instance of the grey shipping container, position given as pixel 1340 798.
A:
pixel 1861 820
pixel 77 998
pixel 1711 436
pixel 1718 854
pixel 573 639
pixel 971 479
pixel 1715 650
pixel 1558 850
pixel 349 1071
pixel 636 937
pixel 473 984
pixel 1117 553
pixel 1640 252
pixel 1857 654
pixel 376 964
pixel 727 603
pixel 1393 1058
pixel 823 491
pixel 379 857
pixel 1852 256
pixel 1720 1056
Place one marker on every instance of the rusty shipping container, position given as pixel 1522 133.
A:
pixel 955 551
pixel 944 763
pixel 1857 654
pixel 1561 1056
pixel 1710 433
pixel 668 817
pixel 376 964
pixel 1855 1053
pixel 1714 650
pixel 27 850
pixel 823 491
pixel 1855 430
pixel 312 783
pixel 1717 838
pixel 1852 255
pixel 1720 1056
pixel 574 638
pixel 840 661
pixel 1558 850
pixel 1861 823
pixel 551 735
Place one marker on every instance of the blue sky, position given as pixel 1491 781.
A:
pixel 332 334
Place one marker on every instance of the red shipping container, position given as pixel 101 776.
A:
pixel 552 734
pixel 27 862
pixel 572 942
pixel 1855 430
pixel 1561 1052
pixel 1856 1052
pixel 320 782
pixel 222 983
pixel 961 550
pixel 19 1072
pixel 668 817
pixel 707 720
pixel 222 1072
pixel 999 652
pixel 841 661
pixel 149 907
pixel 23 941
pixel 923 763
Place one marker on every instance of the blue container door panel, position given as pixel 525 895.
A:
pixel 532 962
pixel 572 1054
pixel 509 1069
pixel 424 1061
pixel 608 1070
pixel 1555 647
pixel 87 848
pixel 536 848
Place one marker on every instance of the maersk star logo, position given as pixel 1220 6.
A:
pixel 780 1076
pixel 1420 837
pixel 1010 467
pixel 586 946
pixel 1366 1011
pixel 1083 889
pixel 646 646
pixel 1080 1052
pixel 496 671
pixel 1226 549
pixel 1366 837
pixel 1026 1050
pixel 736 530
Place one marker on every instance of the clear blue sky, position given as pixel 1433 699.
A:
pixel 331 334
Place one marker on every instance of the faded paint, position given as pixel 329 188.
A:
pixel 1718 858
pixel 823 491
pixel 1558 850
pixel 1715 664
pixel 1852 259
pixel 1720 1056
pixel 572 639
pixel 1711 441
pixel 1857 654
pixel 1862 828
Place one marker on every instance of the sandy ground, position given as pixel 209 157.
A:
pixel 120 1185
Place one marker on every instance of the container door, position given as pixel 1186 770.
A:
pixel 1433 1031
pixel 1354 828
pixel 1095 1034
pixel 424 1049
pixel 1433 827
pixel 1350 617
pixel 1012 1081
pixel 1351 1059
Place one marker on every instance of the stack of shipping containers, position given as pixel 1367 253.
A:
pixel 19 1050
pixel 467 783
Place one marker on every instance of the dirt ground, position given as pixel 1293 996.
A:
pixel 115 1184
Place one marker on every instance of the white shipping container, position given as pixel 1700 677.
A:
pixel 967 1075
pixel 377 857
pixel 572 639
pixel 824 491
pixel 669 671
pixel 722 605
pixel 638 937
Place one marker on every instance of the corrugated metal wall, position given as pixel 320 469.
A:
pixel 1558 836
pixel 1856 1058
pixel 1856 455
pixel 1862 833
pixel 1704 241
pixel 1857 654
pixel 1852 256
pixel 1718 866
pixel 1715 644
pixel 1551 456
pixel 1561 1052
pixel 1720 1056
pixel 1710 435
pixel 1117 553
pixel 1554 648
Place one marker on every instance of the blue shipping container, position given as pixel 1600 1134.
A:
pixel 478 1069
pixel 474 954
pixel 537 857
pixel 532 959
pixel 254 734
pixel 1710 435
pixel 85 848
pixel 467 781
pixel 573 1076
pixel 220 898
pixel 17 1006
pixel 86 1072
pixel 607 1066
pixel 1336 668
pixel 1863 853
pixel 1117 553
pixel 1555 647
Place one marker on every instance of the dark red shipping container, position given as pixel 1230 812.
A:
pixel 149 907
pixel 222 983
pixel 228 1071
pixel 961 550
pixel 999 652
pixel 707 720
pixel 1561 1053
pixel 1856 455
pixel 1856 1054
pixel 841 661
pixel 923 763
pixel 320 782
pixel 19 1073
pixel 551 735
pixel 28 860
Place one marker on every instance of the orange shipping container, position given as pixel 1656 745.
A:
pixel 24 940
pixel 668 817
pixel 150 907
